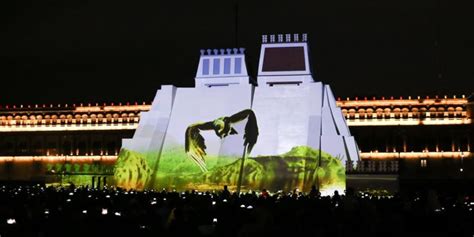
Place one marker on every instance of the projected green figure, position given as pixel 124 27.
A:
pixel 195 146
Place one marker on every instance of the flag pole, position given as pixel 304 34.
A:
pixel 241 172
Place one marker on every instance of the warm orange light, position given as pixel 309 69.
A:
pixel 136 107
pixel 415 155
pixel 407 122
pixel 69 127
pixel 401 102
pixel 53 159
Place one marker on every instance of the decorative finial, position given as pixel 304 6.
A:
pixel 264 39
pixel 222 51
pixel 203 51
pixel 288 38
pixel 209 51
pixel 242 50
pixel 280 38
pixel 216 51
pixel 305 37
pixel 296 37
pixel 235 50
pixel 229 51
pixel 272 38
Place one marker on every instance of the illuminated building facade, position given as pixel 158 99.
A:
pixel 428 139
pixel 394 135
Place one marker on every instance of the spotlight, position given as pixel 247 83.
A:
pixel 11 221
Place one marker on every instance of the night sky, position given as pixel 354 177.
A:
pixel 118 51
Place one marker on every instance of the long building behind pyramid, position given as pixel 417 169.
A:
pixel 280 133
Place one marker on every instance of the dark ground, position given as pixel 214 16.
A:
pixel 36 211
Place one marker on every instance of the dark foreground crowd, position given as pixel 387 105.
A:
pixel 40 211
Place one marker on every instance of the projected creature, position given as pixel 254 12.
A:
pixel 195 145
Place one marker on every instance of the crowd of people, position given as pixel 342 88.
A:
pixel 42 211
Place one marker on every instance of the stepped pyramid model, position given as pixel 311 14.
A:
pixel 206 136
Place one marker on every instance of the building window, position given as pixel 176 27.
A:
pixel 423 163
pixel 227 66
pixel 238 65
pixel 215 69
pixel 205 67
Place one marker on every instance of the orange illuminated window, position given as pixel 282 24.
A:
pixel 423 163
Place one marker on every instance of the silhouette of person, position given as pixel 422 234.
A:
pixel 225 192
pixel 314 193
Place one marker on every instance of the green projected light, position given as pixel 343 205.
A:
pixel 188 166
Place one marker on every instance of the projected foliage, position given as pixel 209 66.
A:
pixel 186 165
pixel 131 170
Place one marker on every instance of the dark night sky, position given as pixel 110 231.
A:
pixel 117 51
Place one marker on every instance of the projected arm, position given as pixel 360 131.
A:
pixel 251 128
pixel 195 146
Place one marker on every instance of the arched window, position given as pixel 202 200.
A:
pixel 441 112
pixel 344 112
pixel 352 113
pixel 361 113
pixel 433 112
pixel 415 112
pixel 459 111
pixel 451 112
pixel 387 112
pixel 379 112
pixel 397 112
pixel 369 112
pixel 405 112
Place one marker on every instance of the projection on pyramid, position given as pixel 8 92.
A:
pixel 282 132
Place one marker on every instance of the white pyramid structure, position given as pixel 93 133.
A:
pixel 303 139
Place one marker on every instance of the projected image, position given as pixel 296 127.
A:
pixel 195 145
pixel 187 164
pixel 79 174
pixel 131 170
pixel 301 167
pixel 205 147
